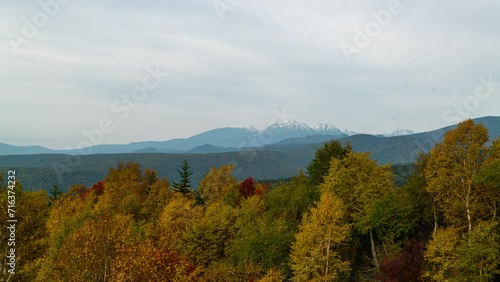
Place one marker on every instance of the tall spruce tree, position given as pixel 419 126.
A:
pixel 184 185
pixel 55 192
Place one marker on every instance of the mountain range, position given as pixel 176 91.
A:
pixel 217 140
pixel 271 160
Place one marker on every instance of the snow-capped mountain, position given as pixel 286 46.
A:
pixel 350 132
pixel 327 129
pixel 399 132
pixel 249 129
pixel 249 136
pixel 290 126
pixel 283 130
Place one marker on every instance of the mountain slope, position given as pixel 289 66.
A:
pixel 6 149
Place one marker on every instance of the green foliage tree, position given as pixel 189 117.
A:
pixel 405 213
pixel 315 254
pixel 184 185
pixel 258 237
pixel 320 165
pixel 479 253
pixel 291 200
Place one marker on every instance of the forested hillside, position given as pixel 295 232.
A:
pixel 345 220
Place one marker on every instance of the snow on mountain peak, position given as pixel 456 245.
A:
pixel 350 132
pixel 399 132
pixel 324 127
pixel 247 128
pixel 290 125
pixel 321 128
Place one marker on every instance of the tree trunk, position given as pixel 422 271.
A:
pixel 467 205
pixel 327 253
pixel 374 251
pixel 435 222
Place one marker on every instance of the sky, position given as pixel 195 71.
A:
pixel 365 65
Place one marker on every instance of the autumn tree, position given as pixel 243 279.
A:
pixel 360 183
pixel 88 253
pixel 291 200
pixel 406 266
pixel 125 190
pixel 219 185
pixel 224 271
pixel 258 237
pixel 451 170
pixel 31 213
pixel 67 214
pixel 158 195
pixel 315 254
pixel 207 237
pixel 146 261
pixel 488 181
pixel 89 227
pixel 175 219
pixel 441 256
pixel 462 174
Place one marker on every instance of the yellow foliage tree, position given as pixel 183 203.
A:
pixel 207 237
pixel 313 254
pixel 441 255
pixel 146 261
pixel 219 184
pixel 451 170
pixel 176 217
pixel 360 183
pixel 88 253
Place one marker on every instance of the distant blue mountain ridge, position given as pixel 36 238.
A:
pixel 232 139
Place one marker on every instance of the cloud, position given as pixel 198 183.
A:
pixel 263 55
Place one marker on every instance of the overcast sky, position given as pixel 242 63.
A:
pixel 238 62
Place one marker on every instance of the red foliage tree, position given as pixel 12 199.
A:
pixel 407 266
pixel 247 188
pixel 97 188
